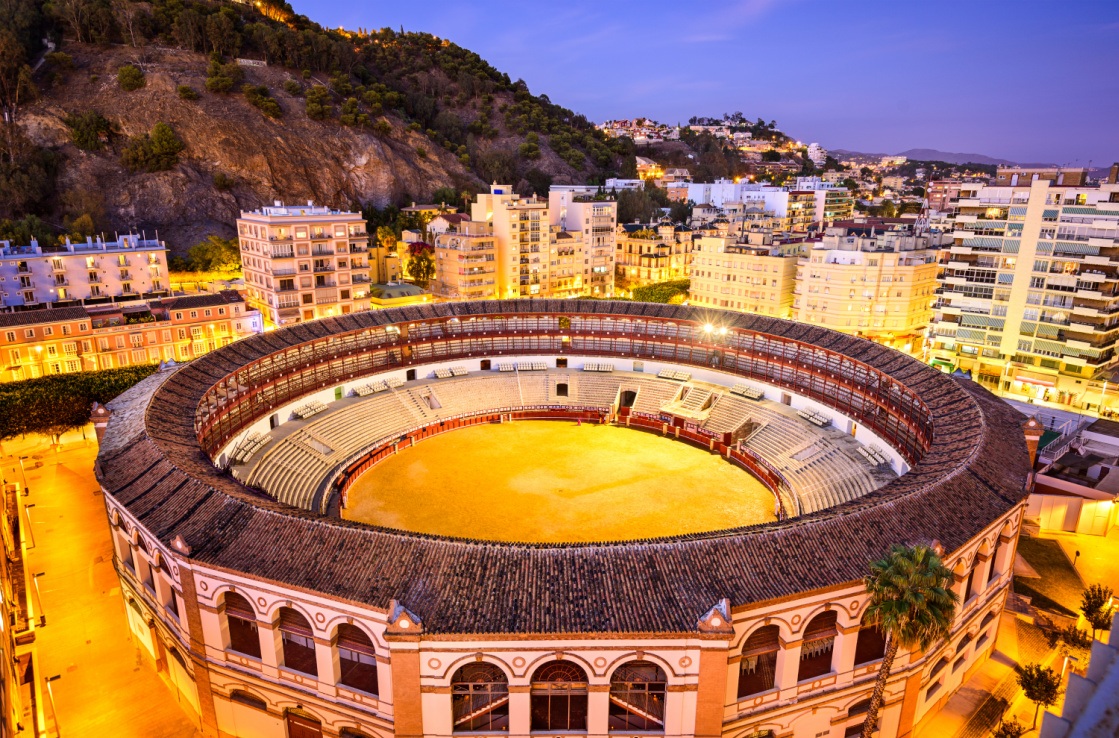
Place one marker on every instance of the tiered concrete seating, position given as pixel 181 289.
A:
pixel 823 466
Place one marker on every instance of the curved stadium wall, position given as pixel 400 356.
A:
pixel 270 619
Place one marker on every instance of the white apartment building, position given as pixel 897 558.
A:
pixel 748 273
pixel 96 271
pixel 873 278
pixel 304 262
pixel 596 217
pixel 560 248
pixel 807 203
pixel 1030 287
pixel 817 154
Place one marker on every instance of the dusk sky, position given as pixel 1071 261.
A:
pixel 1027 80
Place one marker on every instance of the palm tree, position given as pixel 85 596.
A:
pixel 912 604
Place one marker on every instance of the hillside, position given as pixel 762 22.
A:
pixel 396 117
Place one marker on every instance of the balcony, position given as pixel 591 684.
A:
pixel 284 272
pixel 323 268
pixel 283 253
pixel 322 251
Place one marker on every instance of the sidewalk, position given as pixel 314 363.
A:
pixel 106 687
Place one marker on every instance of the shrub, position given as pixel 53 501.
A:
pixel 60 60
pixel 154 152
pixel 221 78
pixel 382 128
pixel 293 88
pixel 222 181
pixel 130 78
pixel 89 130
pixel 258 97
pixel 318 103
pixel 186 92
pixel 529 151
pixel 421 152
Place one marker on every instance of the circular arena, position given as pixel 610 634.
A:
pixel 552 517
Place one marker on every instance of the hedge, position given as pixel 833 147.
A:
pixel 57 403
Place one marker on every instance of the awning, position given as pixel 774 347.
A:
pixel 942 362
pixel 1038 379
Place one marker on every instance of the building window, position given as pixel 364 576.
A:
pixel 249 700
pixel 816 648
pixel 173 604
pixel 241 622
pixel 357 659
pixel 871 643
pixel 758 667
pixel 559 698
pixel 298 644
pixel 637 692
pixel 480 699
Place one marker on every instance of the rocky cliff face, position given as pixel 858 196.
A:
pixel 292 158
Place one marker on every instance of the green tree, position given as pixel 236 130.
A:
pixel 421 267
pixel 186 92
pixel 669 293
pixel 1041 684
pixel 130 78
pixel 56 403
pixel 445 195
pixel 912 603
pixel 318 103
pixel 215 254
pixel 386 236
pixel 154 152
pixel 1095 605
pixel 89 130
pixel 21 232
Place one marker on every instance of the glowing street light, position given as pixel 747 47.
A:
pixel 708 328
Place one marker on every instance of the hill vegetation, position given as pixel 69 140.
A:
pixel 266 104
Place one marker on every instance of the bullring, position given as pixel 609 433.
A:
pixel 361 630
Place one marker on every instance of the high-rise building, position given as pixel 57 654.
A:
pixel 596 216
pixel 1030 284
pixel 560 248
pixel 304 262
pixel 465 262
pixel 521 229
pixel 817 154
pixel 97 271
pixel 873 278
pixel 751 273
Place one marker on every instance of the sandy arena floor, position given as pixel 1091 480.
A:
pixel 553 481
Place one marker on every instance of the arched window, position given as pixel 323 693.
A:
pixel 758 668
pixel 871 643
pixel 970 589
pixel 357 659
pixel 817 646
pixel 637 692
pixel 987 619
pixel 559 698
pixel 301 724
pixel 240 620
pixel 480 699
pixel 298 643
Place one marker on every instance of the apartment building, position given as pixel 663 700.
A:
pixel 521 228
pixel 1030 287
pixel 651 253
pixel 304 262
pixel 875 278
pixel 466 263
pixel 941 194
pixel 809 203
pixel 751 272
pixel 96 271
pixel 63 340
pixel 594 215
pixel 1023 176
pixel 817 154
